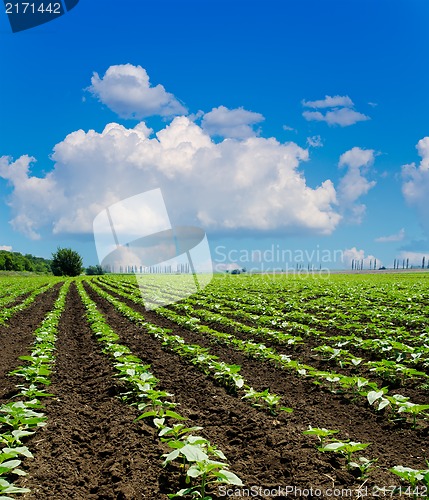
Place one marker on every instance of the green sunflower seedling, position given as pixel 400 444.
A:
pixel 346 449
pixel 415 410
pixel 364 465
pixel 378 396
pixel 208 472
pixel 7 488
pixel 159 413
pixel 413 477
pixel 156 400
pixel 332 380
pixel 32 391
pixel 355 384
pixel 265 398
pixel 14 438
pixel 176 432
pixel 8 466
pixel 20 417
pixel 202 470
pixel 320 432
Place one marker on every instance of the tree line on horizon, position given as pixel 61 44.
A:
pixel 15 261
pixel 64 262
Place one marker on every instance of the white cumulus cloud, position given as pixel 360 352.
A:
pixel 234 123
pixel 8 248
pixel 354 183
pixel 399 236
pixel 341 112
pixel 127 91
pixel 330 102
pixel 414 258
pixel 343 117
pixel 353 254
pixel 251 184
pixel 415 187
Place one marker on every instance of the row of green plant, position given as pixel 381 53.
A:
pixel 389 370
pixel 7 313
pixel 204 314
pixel 351 308
pixel 12 289
pixel 387 347
pixel 355 385
pixel 202 463
pixel 20 419
pixel 386 341
pixel 373 300
pixel 394 354
pixel 416 479
pixel 226 374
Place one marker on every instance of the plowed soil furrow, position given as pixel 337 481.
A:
pixel 90 448
pixel 263 451
pixel 16 339
pixel 312 341
pixel 303 352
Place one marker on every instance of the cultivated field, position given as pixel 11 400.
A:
pixel 230 392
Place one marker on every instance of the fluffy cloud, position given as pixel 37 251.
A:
pixel 315 141
pixel 330 102
pixel 414 258
pixel 126 90
pixel 252 184
pixel 399 236
pixel 341 112
pixel 234 123
pixel 354 184
pixel 343 117
pixel 415 187
pixel 353 254
pixel 6 247
pixel 41 195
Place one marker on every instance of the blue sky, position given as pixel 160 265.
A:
pixel 280 124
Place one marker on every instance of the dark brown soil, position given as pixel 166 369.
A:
pixel 304 351
pixel 92 449
pixel 269 451
pixel 16 339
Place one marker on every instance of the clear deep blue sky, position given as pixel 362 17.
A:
pixel 267 57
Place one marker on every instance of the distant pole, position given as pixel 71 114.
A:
pixel 407 263
pixel 423 263
pixel 375 263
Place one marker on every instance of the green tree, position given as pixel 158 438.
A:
pixel 66 262
pixel 8 262
pixel 94 270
